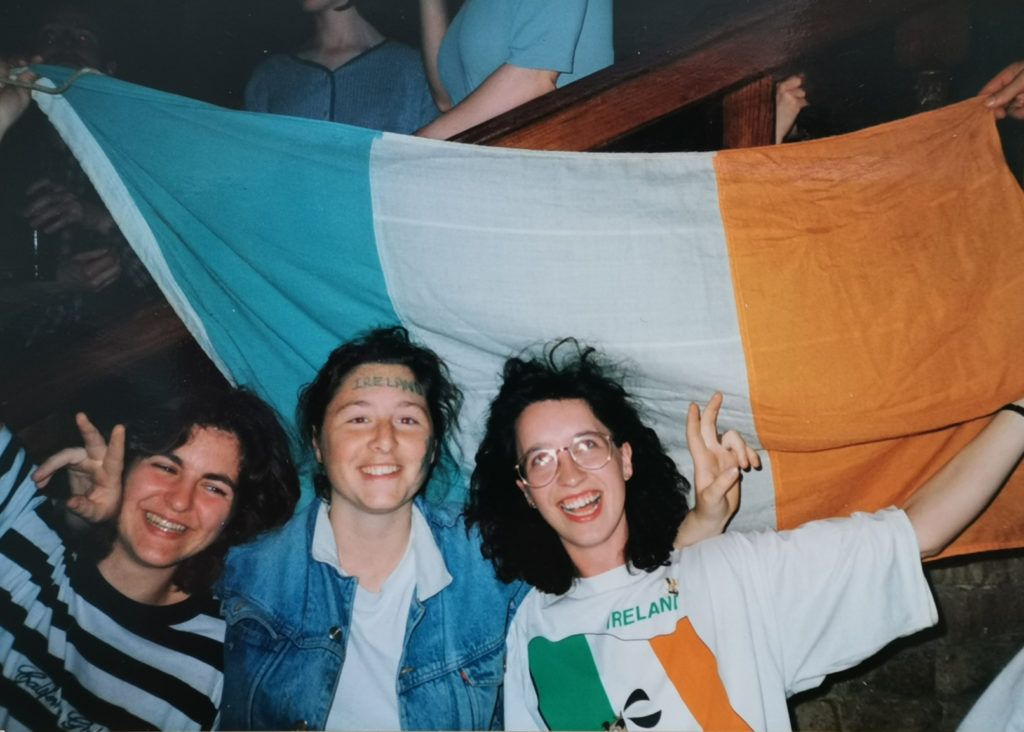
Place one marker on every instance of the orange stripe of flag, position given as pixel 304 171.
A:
pixel 899 465
pixel 879 281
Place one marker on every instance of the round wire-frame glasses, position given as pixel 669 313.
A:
pixel 589 450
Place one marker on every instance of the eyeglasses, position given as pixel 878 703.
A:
pixel 590 451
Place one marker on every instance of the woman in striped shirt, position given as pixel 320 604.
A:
pixel 118 628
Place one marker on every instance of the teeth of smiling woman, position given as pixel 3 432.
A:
pixel 380 469
pixel 164 524
pixel 581 504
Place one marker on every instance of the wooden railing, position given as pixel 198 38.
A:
pixel 733 61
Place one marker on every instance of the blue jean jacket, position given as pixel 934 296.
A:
pixel 288 618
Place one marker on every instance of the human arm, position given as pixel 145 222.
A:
pixel 18 495
pixel 506 88
pixel 1004 94
pixel 433 25
pixel 14 100
pixel 952 498
pixel 94 472
pixel 717 462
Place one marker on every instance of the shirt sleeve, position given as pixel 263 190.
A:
pixel 521 706
pixel 18 494
pixel 843 589
pixel 545 34
pixel 826 595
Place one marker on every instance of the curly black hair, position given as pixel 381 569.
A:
pixel 516 539
pixel 383 346
pixel 268 486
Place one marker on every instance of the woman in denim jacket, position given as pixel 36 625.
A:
pixel 375 609
pixel 372 608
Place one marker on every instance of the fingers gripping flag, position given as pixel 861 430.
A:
pixel 853 297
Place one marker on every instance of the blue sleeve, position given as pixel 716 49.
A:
pixel 545 34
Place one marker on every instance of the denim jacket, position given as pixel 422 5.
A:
pixel 288 618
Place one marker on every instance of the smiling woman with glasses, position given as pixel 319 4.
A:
pixel 604 439
pixel 622 629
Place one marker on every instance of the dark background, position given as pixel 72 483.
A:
pixel 206 48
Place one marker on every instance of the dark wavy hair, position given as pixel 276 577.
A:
pixel 383 346
pixel 516 539
pixel 268 485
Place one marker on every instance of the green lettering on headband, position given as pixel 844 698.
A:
pixel 392 382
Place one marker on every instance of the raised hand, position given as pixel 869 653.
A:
pixel 14 100
pixel 94 471
pixel 1005 93
pixel 717 462
pixel 790 98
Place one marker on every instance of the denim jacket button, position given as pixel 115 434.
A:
pixel 301 724
pixel 334 634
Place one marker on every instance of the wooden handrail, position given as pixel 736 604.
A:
pixel 607 105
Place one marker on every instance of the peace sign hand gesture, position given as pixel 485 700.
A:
pixel 94 472
pixel 717 462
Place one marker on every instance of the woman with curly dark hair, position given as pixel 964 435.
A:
pixel 518 534
pixel 116 626
pixel 573 493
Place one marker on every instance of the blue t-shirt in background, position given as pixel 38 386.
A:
pixel 573 37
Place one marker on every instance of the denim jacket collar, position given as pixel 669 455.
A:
pixel 431 573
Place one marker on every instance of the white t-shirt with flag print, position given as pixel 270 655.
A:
pixel 720 637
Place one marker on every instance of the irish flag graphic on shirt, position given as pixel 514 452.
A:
pixel 603 682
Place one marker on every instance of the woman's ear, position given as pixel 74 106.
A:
pixel 526 493
pixel 316 448
pixel 626 451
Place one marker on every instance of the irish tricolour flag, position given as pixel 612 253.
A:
pixel 852 297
